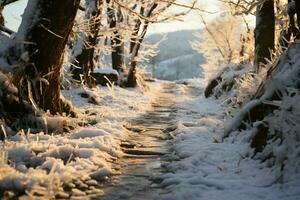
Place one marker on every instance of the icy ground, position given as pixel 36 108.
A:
pixel 201 165
pixel 46 165
pixel 205 167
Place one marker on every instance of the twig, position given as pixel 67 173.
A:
pixel 6 30
pixel 212 35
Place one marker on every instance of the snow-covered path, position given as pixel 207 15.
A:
pixel 146 149
pixel 206 167
pixel 179 153
pixel 164 144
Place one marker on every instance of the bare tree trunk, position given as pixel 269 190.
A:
pixel 264 33
pixel 286 35
pixel 85 60
pixel 116 41
pixel 117 53
pixel 1 17
pixel 297 2
pixel 134 35
pixel 132 79
pixel 45 27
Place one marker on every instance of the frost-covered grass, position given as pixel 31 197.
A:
pixel 203 165
pixel 206 167
pixel 46 164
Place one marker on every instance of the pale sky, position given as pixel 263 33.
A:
pixel 190 21
pixel 13 17
pixel 13 14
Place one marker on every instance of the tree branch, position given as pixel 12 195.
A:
pixel 4 3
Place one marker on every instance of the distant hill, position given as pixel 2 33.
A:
pixel 176 58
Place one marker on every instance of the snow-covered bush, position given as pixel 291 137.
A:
pixel 232 45
pixel 229 54
pixel 272 118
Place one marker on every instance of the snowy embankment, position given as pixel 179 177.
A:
pixel 45 164
pixel 205 167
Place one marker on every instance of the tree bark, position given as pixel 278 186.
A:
pixel 292 30
pixel 297 2
pixel 135 32
pixel 264 33
pixel 85 60
pixel 117 53
pixel 132 79
pixel 1 17
pixel 45 27
pixel 117 44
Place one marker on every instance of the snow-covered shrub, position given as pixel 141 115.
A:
pixel 272 118
pixel 44 165
pixel 284 136
pixel 236 85
pixel 232 45
pixel 225 81
pixel 229 55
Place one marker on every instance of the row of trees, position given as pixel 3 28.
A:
pixel 32 59
pixel 277 28
pixel 124 26
pixel 277 24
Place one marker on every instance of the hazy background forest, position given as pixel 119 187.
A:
pixel 150 99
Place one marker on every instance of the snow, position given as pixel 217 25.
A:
pixel 203 164
pixel 47 162
pixel 233 124
pixel 205 167
pixel 89 133
pixel 106 70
